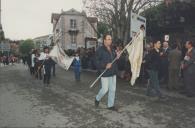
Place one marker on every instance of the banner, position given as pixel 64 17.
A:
pixel 59 56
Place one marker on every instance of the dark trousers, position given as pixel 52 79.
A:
pixel 32 70
pixel 54 70
pixel 164 73
pixel 154 83
pixel 47 76
pixel 38 73
pixel 189 81
pixel 173 79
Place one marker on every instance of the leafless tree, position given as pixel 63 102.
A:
pixel 117 13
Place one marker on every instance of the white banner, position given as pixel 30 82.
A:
pixel 59 56
pixel 135 51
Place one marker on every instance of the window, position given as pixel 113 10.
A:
pixel 73 23
pixel 73 38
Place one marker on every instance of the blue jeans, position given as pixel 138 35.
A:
pixel 154 82
pixel 77 73
pixel 108 84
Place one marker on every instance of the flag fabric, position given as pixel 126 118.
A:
pixel 135 51
pixel 58 55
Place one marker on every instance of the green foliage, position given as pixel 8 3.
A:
pixel 26 46
pixel 175 18
pixel 102 28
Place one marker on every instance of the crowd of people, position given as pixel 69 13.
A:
pixel 6 60
pixel 40 65
pixel 171 67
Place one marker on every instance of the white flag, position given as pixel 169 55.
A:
pixel 58 55
pixel 135 51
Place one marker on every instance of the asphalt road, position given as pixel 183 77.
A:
pixel 25 102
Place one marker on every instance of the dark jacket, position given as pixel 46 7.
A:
pixel 189 66
pixel 175 57
pixel 103 57
pixel 153 60
pixel 47 64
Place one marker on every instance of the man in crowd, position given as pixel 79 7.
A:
pixel 188 67
pixel 153 61
pixel 164 73
pixel 174 57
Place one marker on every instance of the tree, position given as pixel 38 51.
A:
pixel 177 20
pixel 116 14
pixel 102 28
pixel 26 46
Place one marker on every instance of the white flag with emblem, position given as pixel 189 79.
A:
pixel 59 56
pixel 135 51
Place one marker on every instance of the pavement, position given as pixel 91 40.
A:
pixel 25 102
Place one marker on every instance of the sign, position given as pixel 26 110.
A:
pixel 136 22
pixel 4 46
pixel 166 37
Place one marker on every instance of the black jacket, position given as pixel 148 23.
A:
pixel 103 57
pixel 153 60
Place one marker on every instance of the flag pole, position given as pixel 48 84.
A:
pixel 114 60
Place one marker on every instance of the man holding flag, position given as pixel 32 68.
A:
pixel 105 55
pixel 106 61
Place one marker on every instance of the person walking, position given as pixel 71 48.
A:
pixel 104 56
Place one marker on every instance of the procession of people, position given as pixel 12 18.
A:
pixel 162 65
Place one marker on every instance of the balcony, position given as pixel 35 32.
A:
pixel 74 30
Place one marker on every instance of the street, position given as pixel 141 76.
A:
pixel 25 102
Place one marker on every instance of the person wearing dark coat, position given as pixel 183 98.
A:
pixel 47 63
pixel 153 62
pixel 164 72
pixel 188 67
pixel 175 57
pixel 104 57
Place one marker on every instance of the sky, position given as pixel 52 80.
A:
pixel 24 19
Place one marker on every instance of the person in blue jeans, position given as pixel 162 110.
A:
pixel 104 57
pixel 77 67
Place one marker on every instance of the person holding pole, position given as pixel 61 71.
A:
pixel 104 57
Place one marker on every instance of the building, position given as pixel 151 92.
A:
pixel 73 29
pixel 42 41
pixel 14 47
pixel 5 47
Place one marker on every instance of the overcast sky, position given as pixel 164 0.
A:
pixel 22 19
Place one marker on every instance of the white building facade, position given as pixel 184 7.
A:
pixel 73 29
pixel 42 41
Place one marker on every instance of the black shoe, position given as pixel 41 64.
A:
pixel 113 109
pixel 96 103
